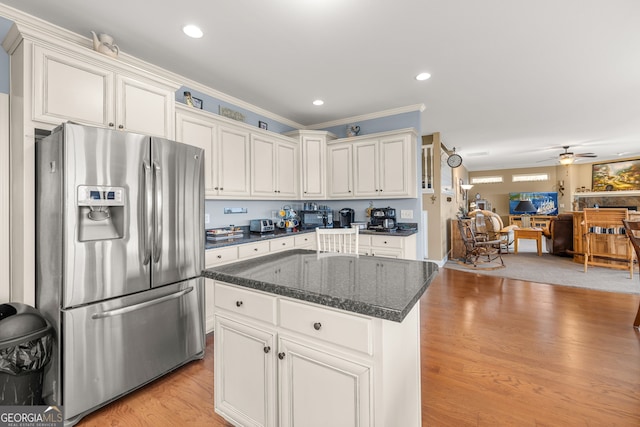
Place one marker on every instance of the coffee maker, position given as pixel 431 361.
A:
pixel 345 217
pixel 382 219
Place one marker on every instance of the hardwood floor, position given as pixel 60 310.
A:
pixel 495 352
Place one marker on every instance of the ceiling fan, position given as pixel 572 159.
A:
pixel 568 157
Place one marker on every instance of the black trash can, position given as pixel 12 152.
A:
pixel 26 340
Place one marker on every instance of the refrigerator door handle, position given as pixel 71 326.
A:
pixel 157 185
pixel 134 307
pixel 147 212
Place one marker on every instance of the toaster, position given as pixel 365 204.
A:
pixel 261 225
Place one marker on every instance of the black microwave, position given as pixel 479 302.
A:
pixel 316 218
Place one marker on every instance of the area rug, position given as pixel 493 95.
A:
pixel 555 270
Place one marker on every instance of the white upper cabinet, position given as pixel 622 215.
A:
pixel 226 152
pixel 365 169
pixel 193 130
pixel 384 166
pixel 85 90
pixel 313 162
pixel 274 168
pixel 233 161
pixel 340 171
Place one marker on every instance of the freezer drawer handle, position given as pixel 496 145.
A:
pixel 134 307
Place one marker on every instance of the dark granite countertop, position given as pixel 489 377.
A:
pixel 248 237
pixel 385 288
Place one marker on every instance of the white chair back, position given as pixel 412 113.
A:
pixel 338 240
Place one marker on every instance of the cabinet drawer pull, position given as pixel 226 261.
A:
pixel 238 303
pixel 267 349
pixel 317 326
pixel 281 355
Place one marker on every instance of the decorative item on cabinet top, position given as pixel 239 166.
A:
pixel 104 44
pixel 353 130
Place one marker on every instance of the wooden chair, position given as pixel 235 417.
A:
pixel 632 229
pixel 479 250
pixel 604 231
pixel 338 240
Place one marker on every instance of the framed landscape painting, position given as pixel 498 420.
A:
pixel 616 176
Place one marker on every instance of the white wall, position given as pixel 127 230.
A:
pixel 5 294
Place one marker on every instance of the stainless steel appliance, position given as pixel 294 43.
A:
pixel 383 219
pixel 345 217
pixel 261 225
pixel 316 218
pixel 120 250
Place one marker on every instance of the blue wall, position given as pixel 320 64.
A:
pixel 211 104
pixel 382 124
pixel 5 24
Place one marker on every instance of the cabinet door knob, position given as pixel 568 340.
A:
pixel 111 125
pixel 255 249
pixel 219 256
pixel 215 188
pixel 267 349
pixel 120 127
pixel 221 188
pixel 317 326
pixel 281 355
pixel 238 303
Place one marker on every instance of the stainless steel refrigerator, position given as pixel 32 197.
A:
pixel 120 250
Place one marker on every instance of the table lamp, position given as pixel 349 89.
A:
pixel 526 207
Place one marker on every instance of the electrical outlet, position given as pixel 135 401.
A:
pixel 406 214
pixel 206 218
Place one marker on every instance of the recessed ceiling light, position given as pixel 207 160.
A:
pixel 318 102
pixel 423 76
pixel 192 31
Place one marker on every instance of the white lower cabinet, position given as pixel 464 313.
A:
pixel 283 362
pixel 245 385
pixel 388 246
pixel 319 388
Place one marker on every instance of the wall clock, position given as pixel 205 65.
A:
pixel 454 159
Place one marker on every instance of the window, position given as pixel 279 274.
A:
pixel 530 177
pixel 486 180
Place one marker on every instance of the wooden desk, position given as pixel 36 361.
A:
pixel 528 233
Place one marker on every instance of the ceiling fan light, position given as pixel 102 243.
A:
pixel 566 160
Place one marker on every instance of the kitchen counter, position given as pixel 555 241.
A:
pixel 248 237
pixel 378 287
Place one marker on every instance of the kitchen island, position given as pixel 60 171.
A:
pixel 319 339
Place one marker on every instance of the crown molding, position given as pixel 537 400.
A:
pixel 370 116
pixel 38 29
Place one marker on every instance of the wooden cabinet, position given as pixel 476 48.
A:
pixel 602 246
pixel 93 92
pixel 274 168
pixel 374 166
pixel 340 171
pixel 334 368
pixel 226 151
pixel 457 249
pixel 536 221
